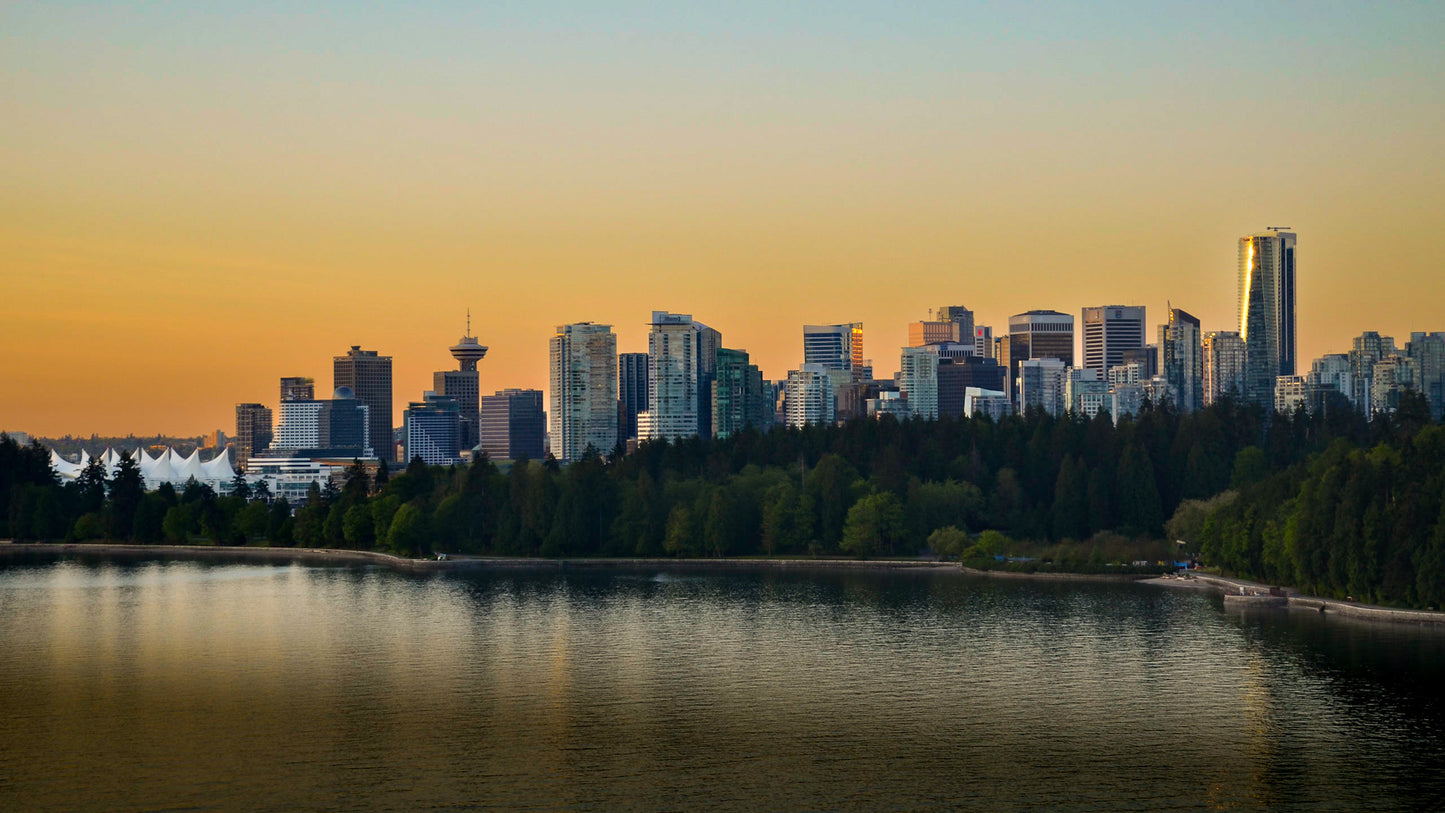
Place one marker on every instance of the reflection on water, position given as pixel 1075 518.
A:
pixel 171 685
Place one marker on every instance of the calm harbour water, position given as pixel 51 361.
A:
pixel 177 685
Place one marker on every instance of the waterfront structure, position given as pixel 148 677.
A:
pixel 835 347
pixel 1267 311
pixel 463 385
pixel 918 381
pixel 672 378
pixel 1291 393
pixel 631 392
pixel 1182 360
pixel 253 431
pixel 1109 331
pixel 956 375
pixel 1223 365
pixel 369 377
pixel 167 467
pixel 1038 334
pixel 298 388
pixel 810 396
pixel 583 396
pixel 512 425
pixel 1085 391
pixel 983 341
pixel 1041 385
pixel 994 404
pixel 1427 351
pixel 738 397
pixel 431 430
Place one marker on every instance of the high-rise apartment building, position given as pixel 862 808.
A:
pixel 1331 374
pixel 298 388
pixel 513 424
pixel 836 347
pixel 709 342
pixel 1366 350
pixel 369 377
pixel 1391 376
pixel 1427 351
pixel 672 378
pixel 431 430
pixel 463 385
pixel 1182 360
pixel 1223 365
pixel 1291 394
pixel 583 396
pixel 809 396
pixel 253 431
pixel 1085 392
pixel 918 381
pixel 1041 385
pixel 1038 334
pixel 631 392
pixel 1109 331
pixel 739 395
pixel 1267 311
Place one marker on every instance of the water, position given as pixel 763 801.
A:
pixel 169 685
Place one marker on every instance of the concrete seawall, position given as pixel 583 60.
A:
pixel 1297 601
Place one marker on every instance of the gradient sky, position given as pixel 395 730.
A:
pixel 195 202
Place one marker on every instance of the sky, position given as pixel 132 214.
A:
pixel 196 201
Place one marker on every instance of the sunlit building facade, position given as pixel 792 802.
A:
pixel 583 396
pixel 1267 311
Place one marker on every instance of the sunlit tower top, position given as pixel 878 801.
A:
pixel 467 351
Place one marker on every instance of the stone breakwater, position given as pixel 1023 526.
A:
pixel 1295 600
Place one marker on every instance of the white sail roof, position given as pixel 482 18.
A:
pixel 219 467
pixel 64 468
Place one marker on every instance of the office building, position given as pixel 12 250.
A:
pixel 463 385
pixel 983 341
pixel 1037 334
pixel 583 397
pixel 298 388
pixel 1182 360
pixel 1041 386
pixel 253 432
pixel 931 332
pixel 631 391
pixel 1427 351
pixel 960 317
pixel 918 381
pixel 1223 365
pixel 431 429
pixel 738 397
pixel 334 428
pixel 982 403
pixel 835 347
pixel 1085 392
pixel 369 377
pixel 1109 331
pixel 887 402
pixel 513 424
pixel 1267 311
pixel 672 378
pixel 809 396
pixel 956 376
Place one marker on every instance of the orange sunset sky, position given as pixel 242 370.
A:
pixel 194 203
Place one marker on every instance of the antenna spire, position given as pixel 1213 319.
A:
pixel 469 321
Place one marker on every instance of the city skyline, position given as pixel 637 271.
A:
pixel 220 197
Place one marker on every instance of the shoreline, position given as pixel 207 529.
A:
pixel 1295 600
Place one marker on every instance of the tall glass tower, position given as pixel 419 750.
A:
pixel 1267 311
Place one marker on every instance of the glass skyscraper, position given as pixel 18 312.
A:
pixel 1267 311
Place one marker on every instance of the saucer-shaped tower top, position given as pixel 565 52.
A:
pixel 467 351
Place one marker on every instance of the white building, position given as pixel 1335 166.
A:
pixel 918 381
pixel 167 467
pixel 1290 394
pixel 1109 331
pixel 810 396
pixel 1041 385
pixel 672 378
pixel 993 403
pixel 582 404
pixel 1332 372
pixel 298 426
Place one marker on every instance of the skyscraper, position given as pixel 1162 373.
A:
pixel 1180 346
pixel 960 317
pixel 836 347
pixel 463 385
pixel 431 430
pixel 709 342
pixel 1223 362
pixel 1427 350
pixel 1267 311
pixel 1109 331
pixel 739 398
pixel 1036 335
pixel 672 377
pixel 298 388
pixel 512 425
pixel 1041 385
pixel 253 431
pixel 631 391
pixel 583 396
pixel 956 376
pixel 983 341
pixel 918 381
pixel 369 377
pixel 809 396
